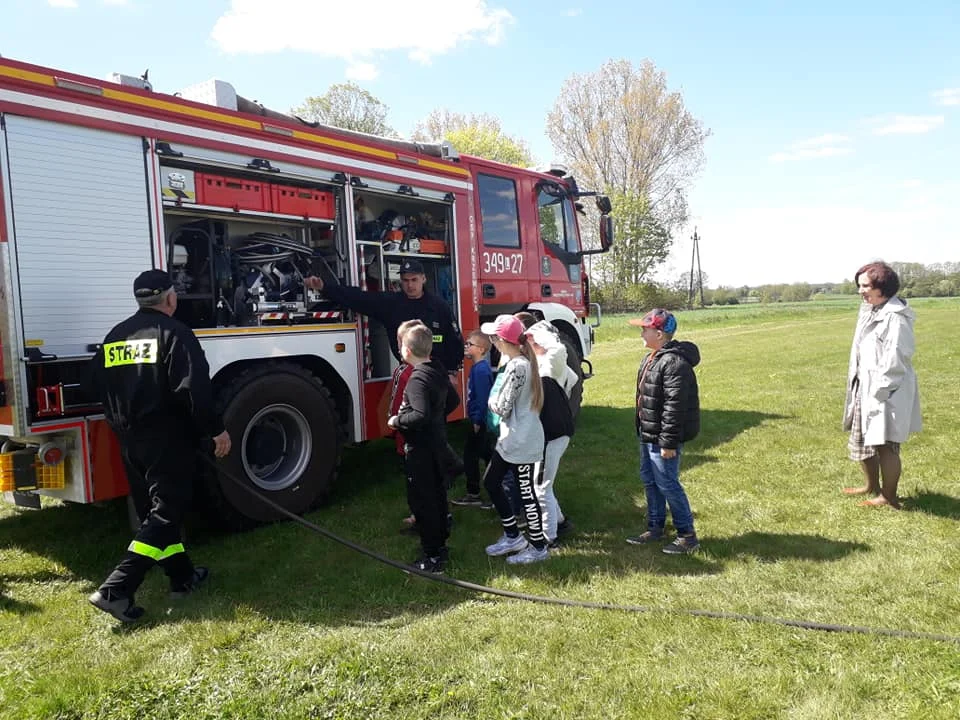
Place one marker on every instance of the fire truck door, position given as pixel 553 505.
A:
pixel 81 230
pixel 559 263
pixel 503 256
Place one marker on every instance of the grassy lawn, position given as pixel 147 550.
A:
pixel 295 626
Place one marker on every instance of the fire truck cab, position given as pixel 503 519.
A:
pixel 100 180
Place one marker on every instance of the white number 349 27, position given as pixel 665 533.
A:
pixel 502 263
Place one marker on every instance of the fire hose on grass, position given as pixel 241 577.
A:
pixel 564 602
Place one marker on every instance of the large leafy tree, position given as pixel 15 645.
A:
pixel 623 131
pixel 642 242
pixel 481 135
pixel 347 106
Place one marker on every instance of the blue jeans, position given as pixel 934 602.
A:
pixel 661 482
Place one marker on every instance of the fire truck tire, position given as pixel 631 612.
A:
pixel 286 444
pixel 573 362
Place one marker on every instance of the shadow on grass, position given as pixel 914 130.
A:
pixel 281 572
pixel 609 425
pixel 12 605
pixel 277 571
pixel 773 547
pixel 945 506
pixel 595 550
pixel 284 573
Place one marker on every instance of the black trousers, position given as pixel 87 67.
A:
pixel 427 497
pixel 526 476
pixel 478 446
pixel 160 468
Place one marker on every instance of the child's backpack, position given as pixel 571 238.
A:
pixel 555 416
pixel 493 420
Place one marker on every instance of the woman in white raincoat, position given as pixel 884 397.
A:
pixel 883 401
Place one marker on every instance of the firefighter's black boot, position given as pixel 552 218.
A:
pixel 200 575
pixel 122 608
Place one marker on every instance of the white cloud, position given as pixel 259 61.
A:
pixel 114 2
pixel 947 96
pixel 906 124
pixel 362 71
pixel 573 12
pixel 827 145
pixel 62 3
pixel 423 29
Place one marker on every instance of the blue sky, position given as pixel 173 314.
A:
pixel 834 131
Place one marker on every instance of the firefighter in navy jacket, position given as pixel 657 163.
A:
pixel 154 382
pixel 414 302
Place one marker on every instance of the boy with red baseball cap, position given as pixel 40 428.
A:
pixel 667 415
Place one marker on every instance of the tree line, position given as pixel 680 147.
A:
pixel 623 132
pixel 619 129
pixel 916 280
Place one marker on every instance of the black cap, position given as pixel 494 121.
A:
pixel 150 283
pixel 410 266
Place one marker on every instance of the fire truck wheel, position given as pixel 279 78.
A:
pixel 573 362
pixel 286 444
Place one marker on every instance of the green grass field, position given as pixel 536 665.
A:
pixel 295 626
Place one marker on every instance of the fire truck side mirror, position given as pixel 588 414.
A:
pixel 606 232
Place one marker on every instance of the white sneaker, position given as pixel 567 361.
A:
pixel 506 545
pixel 529 555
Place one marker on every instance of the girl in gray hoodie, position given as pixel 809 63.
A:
pixel 520 445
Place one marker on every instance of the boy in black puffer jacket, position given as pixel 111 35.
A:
pixel 667 415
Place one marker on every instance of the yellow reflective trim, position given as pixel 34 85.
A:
pixel 174 107
pixel 438 338
pixel 446 167
pixel 158 104
pixel 27 75
pixel 154 553
pixel 130 352
pixel 171 550
pixel 344 144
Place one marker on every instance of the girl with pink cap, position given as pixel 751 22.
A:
pixel 520 444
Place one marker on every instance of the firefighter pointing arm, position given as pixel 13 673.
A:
pixel 413 302
pixel 154 382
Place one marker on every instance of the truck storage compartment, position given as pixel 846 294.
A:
pixel 60 387
pixel 236 270
pixel 391 227
pixel 82 221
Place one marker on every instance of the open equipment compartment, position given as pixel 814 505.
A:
pixel 392 226
pixel 239 248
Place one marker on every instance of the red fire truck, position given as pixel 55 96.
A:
pixel 100 179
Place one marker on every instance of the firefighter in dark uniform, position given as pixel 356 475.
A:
pixel 154 382
pixel 414 302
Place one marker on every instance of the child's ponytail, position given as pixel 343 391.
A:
pixel 536 400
